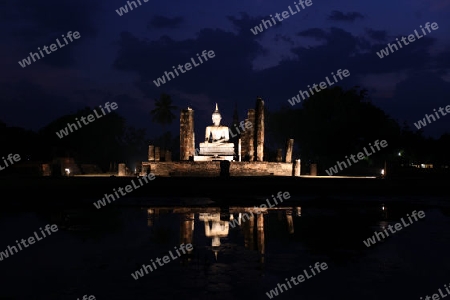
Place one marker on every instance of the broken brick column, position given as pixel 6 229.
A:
pixel 279 157
pixel 187 149
pixel 289 148
pixel 151 153
pixel 157 154
pixel 259 130
pixel 297 168
pixel 251 135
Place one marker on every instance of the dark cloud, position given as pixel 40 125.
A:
pixel 341 48
pixel 413 57
pixel 61 58
pixel 431 92
pixel 285 38
pixel 443 61
pixel 315 33
pixel 377 35
pixel 348 17
pixel 245 22
pixel 231 77
pixel 234 54
pixel 53 16
pixel 160 22
pixel 34 103
pixel 35 24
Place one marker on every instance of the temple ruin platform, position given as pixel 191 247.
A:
pixel 214 168
pixel 213 158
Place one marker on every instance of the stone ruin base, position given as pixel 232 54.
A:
pixel 213 158
pixel 213 168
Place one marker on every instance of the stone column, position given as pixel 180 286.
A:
pixel 313 171
pixel 122 170
pixel 187 141
pixel 157 154
pixel 244 144
pixel 251 135
pixel 297 167
pixel 193 142
pixel 239 150
pixel 168 155
pixel 259 130
pixel 289 147
pixel 279 157
pixel 151 153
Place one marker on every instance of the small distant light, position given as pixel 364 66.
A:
pixel 422 166
pixel 67 171
pixel 399 154
pixel 382 172
pixel 382 207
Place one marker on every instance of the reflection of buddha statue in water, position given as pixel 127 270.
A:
pixel 218 229
pixel 217 133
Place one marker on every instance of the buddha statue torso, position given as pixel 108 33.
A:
pixel 216 133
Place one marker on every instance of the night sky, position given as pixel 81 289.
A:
pixel 118 57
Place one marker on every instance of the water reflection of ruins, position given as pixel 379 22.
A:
pixel 218 222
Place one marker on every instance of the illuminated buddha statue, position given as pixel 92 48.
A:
pixel 217 139
pixel 216 134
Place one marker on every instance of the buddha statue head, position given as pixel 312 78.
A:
pixel 216 117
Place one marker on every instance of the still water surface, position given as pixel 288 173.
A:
pixel 95 251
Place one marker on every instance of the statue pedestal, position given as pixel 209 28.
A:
pixel 211 152
pixel 222 149
pixel 213 158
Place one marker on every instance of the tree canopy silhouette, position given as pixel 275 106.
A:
pixel 162 113
pixel 99 142
pixel 334 123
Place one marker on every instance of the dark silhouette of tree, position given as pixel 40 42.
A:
pixel 412 145
pixel 335 123
pixel 99 142
pixel 135 144
pixel 442 150
pixel 17 140
pixel 162 113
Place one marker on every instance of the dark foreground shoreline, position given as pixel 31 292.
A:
pixel 233 190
